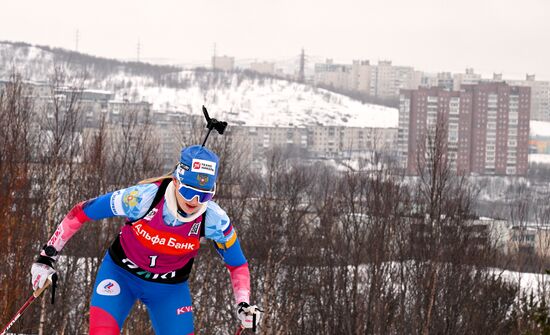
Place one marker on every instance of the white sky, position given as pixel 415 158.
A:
pixel 507 36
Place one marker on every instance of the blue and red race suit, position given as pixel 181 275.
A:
pixel 151 258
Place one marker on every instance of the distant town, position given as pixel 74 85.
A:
pixel 486 121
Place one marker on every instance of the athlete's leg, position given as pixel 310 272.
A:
pixel 169 307
pixel 112 299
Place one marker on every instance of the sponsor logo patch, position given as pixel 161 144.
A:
pixel 184 309
pixel 132 199
pixel 203 179
pixel 182 169
pixel 163 241
pixel 203 166
pixel 56 236
pixel 108 287
pixel 150 215
pixel 195 229
pixel 146 274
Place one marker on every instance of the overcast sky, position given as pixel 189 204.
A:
pixel 506 36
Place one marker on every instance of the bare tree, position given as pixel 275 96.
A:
pixel 16 207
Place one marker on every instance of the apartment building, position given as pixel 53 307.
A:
pixel 263 67
pixel 530 238
pixel 382 80
pixel 333 75
pixel 315 141
pixel 469 77
pixel 390 79
pixel 501 136
pixel 540 96
pixel 223 63
pixel 362 76
pixel 420 111
pixel 486 127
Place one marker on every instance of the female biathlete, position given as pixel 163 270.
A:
pixel 152 257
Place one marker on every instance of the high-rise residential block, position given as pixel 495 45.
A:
pixel 223 63
pixel 540 96
pixel 485 127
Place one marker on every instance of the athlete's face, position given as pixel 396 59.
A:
pixel 189 207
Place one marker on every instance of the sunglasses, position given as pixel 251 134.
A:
pixel 188 193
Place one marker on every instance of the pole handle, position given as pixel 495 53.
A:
pixel 254 322
pixel 38 292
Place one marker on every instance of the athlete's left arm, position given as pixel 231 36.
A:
pixel 218 228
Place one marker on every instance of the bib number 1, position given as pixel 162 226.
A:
pixel 153 261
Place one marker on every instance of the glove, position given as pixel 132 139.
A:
pixel 249 315
pixel 40 271
pixel 43 269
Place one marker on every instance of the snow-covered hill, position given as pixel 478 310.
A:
pixel 262 101
pixel 240 97
pixel 37 63
pixel 31 62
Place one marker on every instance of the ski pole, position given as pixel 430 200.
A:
pixel 239 330
pixel 212 124
pixel 29 301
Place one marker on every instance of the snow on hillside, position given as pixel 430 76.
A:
pixel 248 102
pixel 243 100
pixel 269 102
pixel 31 62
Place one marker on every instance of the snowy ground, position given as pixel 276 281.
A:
pixel 539 128
pixel 528 282
pixel 539 158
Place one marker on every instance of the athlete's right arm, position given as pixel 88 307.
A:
pixel 131 202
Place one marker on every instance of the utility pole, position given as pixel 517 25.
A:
pixel 214 58
pixel 138 49
pixel 301 73
pixel 76 40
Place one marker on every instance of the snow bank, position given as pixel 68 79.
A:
pixel 539 158
pixel 539 128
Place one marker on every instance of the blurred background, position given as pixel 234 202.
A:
pixel 386 164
